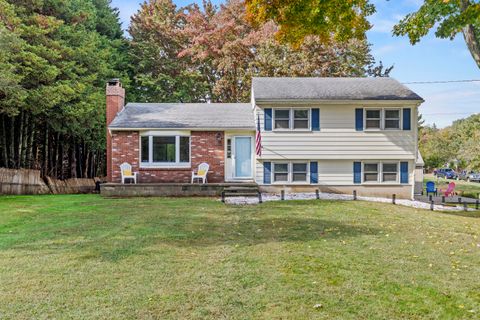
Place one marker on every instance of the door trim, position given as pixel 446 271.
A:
pixel 233 159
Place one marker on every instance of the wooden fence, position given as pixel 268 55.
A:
pixel 26 181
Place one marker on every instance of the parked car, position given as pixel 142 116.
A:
pixel 470 176
pixel 447 173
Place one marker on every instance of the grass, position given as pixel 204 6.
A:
pixel 470 189
pixel 83 256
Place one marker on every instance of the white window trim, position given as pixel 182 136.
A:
pixel 165 165
pixel 385 119
pixel 307 171
pixel 378 163
pixel 398 171
pixel 309 119
pixel 382 119
pixel 274 119
pixel 365 119
pixel 291 120
pixel 380 172
pixel 290 172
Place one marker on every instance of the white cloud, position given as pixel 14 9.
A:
pixel 382 25
pixel 455 101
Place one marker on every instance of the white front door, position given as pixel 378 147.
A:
pixel 242 151
pixel 239 158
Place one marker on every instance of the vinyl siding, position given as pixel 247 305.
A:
pixel 334 172
pixel 338 139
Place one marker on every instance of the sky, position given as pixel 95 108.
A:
pixel 432 59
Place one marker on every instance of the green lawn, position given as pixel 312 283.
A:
pixel 86 257
pixel 471 189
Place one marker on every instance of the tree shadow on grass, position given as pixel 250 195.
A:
pixel 192 231
pixel 467 214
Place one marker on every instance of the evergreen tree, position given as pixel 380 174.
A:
pixel 60 53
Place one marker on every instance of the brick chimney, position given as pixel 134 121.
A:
pixel 115 102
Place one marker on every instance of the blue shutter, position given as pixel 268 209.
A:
pixel 267 172
pixel 407 119
pixel 316 119
pixel 313 172
pixel 357 172
pixel 403 172
pixel 359 119
pixel 268 119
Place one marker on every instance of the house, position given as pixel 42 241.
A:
pixel 332 134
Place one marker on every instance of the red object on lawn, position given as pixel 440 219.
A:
pixel 450 190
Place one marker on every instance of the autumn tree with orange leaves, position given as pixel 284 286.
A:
pixel 201 53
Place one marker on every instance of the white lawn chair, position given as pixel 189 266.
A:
pixel 201 172
pixel 127 173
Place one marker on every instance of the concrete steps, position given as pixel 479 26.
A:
pixel 250 190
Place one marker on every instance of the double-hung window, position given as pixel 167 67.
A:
pixel 382 119
pixel 165 150
pixel 389 172
pixel 370 172
pixel 392 119
pixel 373 118
pixel 299 172
pixel 290 172
pixel 380 172
pixel 291 119
pixel 280 172
pixel 300 119
pixel 282 118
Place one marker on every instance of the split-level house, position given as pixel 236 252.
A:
pixel 332 134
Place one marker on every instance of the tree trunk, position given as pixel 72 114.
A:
pixel 73 161
pixel 86 165
pixel 61 154
pixel 29 152
pixel 23 150
pixel 12 143
pixel 51 149
pixel 4 143
pixel 45 154
pixel 471 34
pixel 55 159
pixel 79 159
pixel 18 156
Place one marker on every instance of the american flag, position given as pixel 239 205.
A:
pixel 258 139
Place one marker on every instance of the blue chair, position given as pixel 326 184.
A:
pixel 431 188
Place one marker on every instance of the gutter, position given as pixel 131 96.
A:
pixel 170 129
pixel 320 101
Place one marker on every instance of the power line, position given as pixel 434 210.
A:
pixel 448 113
pixel 442 81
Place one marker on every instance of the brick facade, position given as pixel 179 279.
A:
pixel 115 101
pixel 206 146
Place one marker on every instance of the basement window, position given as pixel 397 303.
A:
pixel 299 172
pixel 389 172
pixel 165 151
pixel 370 172
pixel 290 172
pixel 280 172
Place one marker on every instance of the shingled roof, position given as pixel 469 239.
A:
pixel 185 116
pixel 282 89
